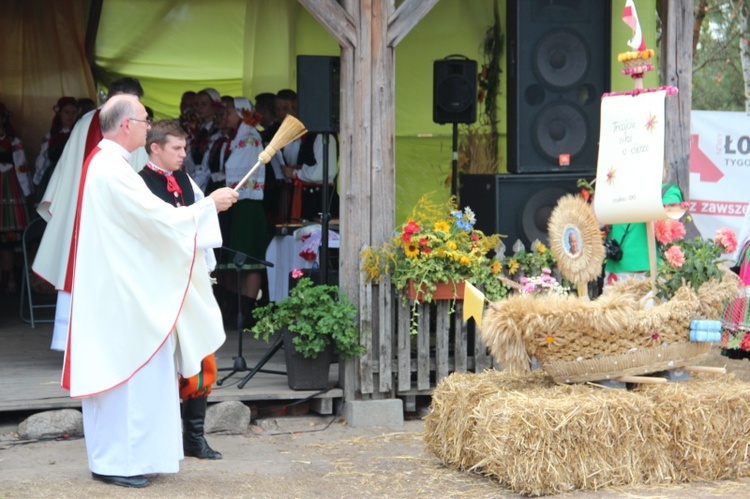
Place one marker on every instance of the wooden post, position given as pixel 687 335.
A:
pixel 368 32
pixel 677 70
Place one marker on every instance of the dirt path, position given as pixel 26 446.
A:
pixel 312 461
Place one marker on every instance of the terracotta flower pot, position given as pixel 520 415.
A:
pixel 443 291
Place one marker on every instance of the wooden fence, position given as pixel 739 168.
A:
pixel 397 363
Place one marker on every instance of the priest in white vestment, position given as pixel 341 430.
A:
pixel 142 308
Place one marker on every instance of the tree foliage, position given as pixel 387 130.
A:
pixel 719 37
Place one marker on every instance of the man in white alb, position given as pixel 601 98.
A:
pixel 142 306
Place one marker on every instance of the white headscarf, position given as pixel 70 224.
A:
pixel 241 104
pixel 213 93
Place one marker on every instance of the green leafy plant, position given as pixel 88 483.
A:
pixel 319 314
pixel 689 263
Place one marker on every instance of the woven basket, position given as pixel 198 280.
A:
pixel 612 336
pixel 641 361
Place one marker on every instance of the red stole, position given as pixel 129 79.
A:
pixel 93 138
pixel 74 247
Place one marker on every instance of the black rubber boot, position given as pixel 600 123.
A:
pixel 193 442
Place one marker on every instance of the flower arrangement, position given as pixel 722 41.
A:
pixel 542 284
pixel 688 262
pixel 438 243
pixel 320 314
pixel 531 262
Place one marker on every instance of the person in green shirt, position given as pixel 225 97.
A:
pixel 634 243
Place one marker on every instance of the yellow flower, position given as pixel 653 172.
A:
pixel 512 266
pixel 541 248
pixel 451 245
pixel 442 226
pixel 464 260
pixel 411 250
pixel 496 267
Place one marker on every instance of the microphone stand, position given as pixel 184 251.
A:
pixel 240 365
pixel 325 216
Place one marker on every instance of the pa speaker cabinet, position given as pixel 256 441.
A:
pixel 515 205
pixel 558 69
pixel 454 91
pixel 318 91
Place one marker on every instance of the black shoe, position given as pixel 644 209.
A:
pixel 137 481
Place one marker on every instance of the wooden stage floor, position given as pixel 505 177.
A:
pixel 30 371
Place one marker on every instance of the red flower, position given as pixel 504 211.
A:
pixel 474 237
pixel 726 238
pixel 409 229
pixel 423 241
pixel 668 230
pixel 251 118
pixel 675 256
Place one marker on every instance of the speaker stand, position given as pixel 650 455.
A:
pixel 454 162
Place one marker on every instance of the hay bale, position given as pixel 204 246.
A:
pixel 536 437
pixel 450 426
pixel 708 426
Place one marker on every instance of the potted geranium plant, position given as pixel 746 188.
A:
pixel 437 245
pixel 690 263
pixel 317 320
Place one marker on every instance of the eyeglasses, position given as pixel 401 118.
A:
pixel 147 121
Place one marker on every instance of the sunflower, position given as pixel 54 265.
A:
pixel 451 245
pixel 411 250
pixel 541 248
pixel 512 266
pixel 496 267
pixel 442 227
pixel 464 260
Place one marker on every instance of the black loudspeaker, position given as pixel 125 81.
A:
pixel 318 91
pixel 518 206
pixel 454 91
pixel 558 69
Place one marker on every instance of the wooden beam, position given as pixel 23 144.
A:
pixel 337 21
pixel 408 14
pixel 677 71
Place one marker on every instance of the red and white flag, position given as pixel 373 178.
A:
pixel 630 17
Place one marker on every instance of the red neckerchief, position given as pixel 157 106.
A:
pixel 172 185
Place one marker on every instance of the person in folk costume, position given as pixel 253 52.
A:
pixel 135 323
pixel 303 163
pixel 14 189
pixel 164 177
pixel 207 101
pixel 58 207
pixel 741 256
pixel 66 114
pixel 212 164
pixel 247 230
pixel 277 197
pixel 85 105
